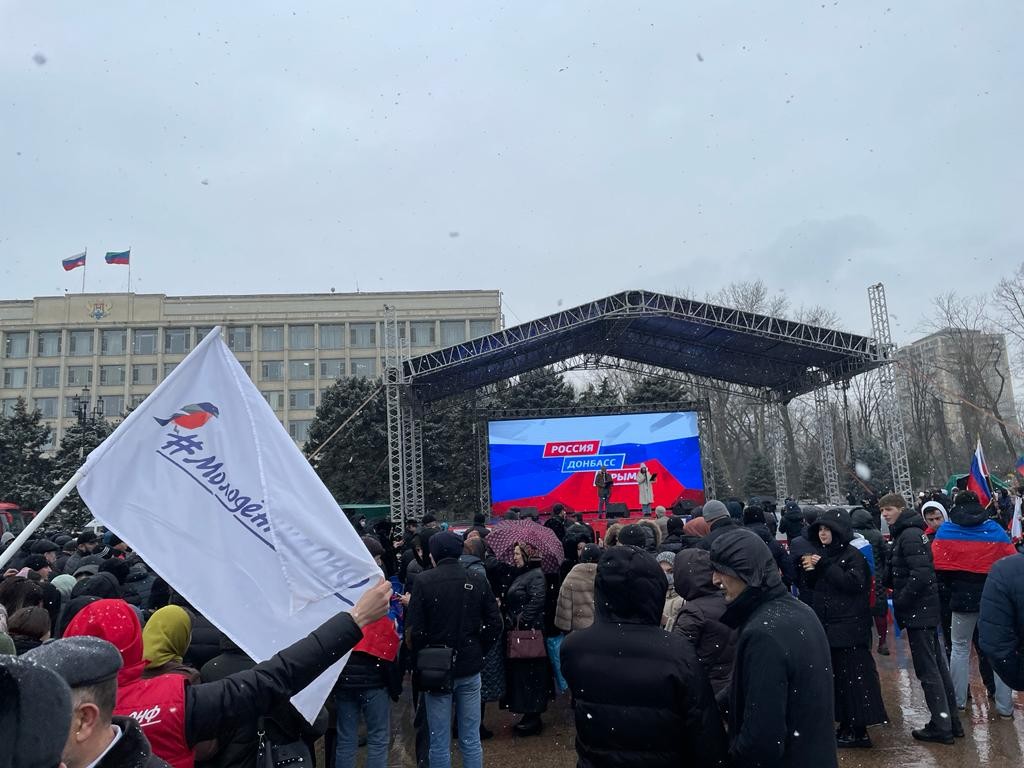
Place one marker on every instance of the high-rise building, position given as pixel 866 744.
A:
pixel 106 352
pixel 947 380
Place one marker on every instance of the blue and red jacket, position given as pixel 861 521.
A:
pixel 964 551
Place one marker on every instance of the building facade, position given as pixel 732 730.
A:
pixel 105 352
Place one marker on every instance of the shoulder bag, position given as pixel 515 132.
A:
pixel 435 664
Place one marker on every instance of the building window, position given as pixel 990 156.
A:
pixel 299 429
pixel 301 369
pixel 364 366
pixel 332 369
pixel 168 367
pixel 144 374
pixel 144 341
pixel 276 400
pixel 79 375
pixel 302 398
pixel 272 370
pixel 136 401
pixel 300 336
pixel 51 440
pixel 423 334
pixel 478 328
pixel 247 367
pixel 452 332
pixel 16 345
pixel 362 335
pixel 202 332
pixel 48 376
pixel 113 406
pixel 69 408
pixel 177 341
pixel 48 343
pixel 15 378
pixel 80 343
pixel 111 375
pixel 240 339
pixel 113 343
pixel 7 406
pixel 332 337
pixel 272 338
pixel 47 407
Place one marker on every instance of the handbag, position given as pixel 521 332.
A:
pixel 435 664
pixel 292 754
pixel 525 644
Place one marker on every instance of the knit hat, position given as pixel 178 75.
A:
pixel 675 526
pixel 633 535
pixel 6 537
pixel 36 714
pixel 666 557
pixel 445 544
pixel 714 510
pixel 935 505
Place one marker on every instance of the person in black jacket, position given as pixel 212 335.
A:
pixel 798 547
pixel 237 747
pixel 700 619
pixel 640 696
pixel 842 586
pixel 792 524
pixel 674 541
pixel 864 524
pixel 781 699
pixel 717 516
pixel 915 600
pixel 753 518
pixel 1000 629
pixel 454 608
pixel 528 682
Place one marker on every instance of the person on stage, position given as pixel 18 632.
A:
pixel 645 482
pixel 603 482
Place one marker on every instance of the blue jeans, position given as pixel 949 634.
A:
pixel 467 711
pixel 374 705
pixel 960 664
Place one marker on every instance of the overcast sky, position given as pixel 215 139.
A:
pixel 557 151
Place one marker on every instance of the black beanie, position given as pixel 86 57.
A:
pixel 675 526
pixel 445 544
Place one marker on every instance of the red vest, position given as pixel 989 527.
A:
pixel 158 705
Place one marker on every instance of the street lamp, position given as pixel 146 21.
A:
pixel 81 404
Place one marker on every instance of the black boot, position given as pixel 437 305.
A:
pixel 932 734
pixel 530 725
pixel 855 738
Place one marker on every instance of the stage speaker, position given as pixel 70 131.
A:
pixel 525 512
pixel 616 509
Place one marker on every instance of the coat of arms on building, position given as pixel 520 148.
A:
pixel 98 310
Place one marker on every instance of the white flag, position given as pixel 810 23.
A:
pixel 205 484
pixel 1015 526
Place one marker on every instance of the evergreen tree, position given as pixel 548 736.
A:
pixel 451 472
pixel 78 442
pixel 759 479
pixel 354 464
pixel 870 452
pixel 812 480
pixel 24 471
pixel 538 389
pixel 723 490
pixel 655 389
pixel 601 394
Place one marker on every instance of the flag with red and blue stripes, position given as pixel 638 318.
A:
pixel 73 262
pixel 118 257
pixel 977 480
pixel 974 548
pixel 1020 464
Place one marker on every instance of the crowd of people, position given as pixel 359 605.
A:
pixel 730 635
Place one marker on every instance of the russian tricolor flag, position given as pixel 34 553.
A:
pixel 73 262
pixel 118 257
pixel 1020 464
pixel 977 481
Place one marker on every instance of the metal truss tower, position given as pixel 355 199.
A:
pixel 892 421
pixel 398 453
pixel 827 442
pixel 707 450
pixel 777 444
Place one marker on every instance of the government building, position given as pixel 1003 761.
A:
pixel 103 353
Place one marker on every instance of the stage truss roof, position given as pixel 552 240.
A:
pixel 782 357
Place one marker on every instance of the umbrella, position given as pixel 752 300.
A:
pixel 504 537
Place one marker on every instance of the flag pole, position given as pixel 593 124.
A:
pixel 85 266
pixel 37 521
pixel 129 269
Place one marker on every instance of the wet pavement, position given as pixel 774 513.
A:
pixel 989 740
